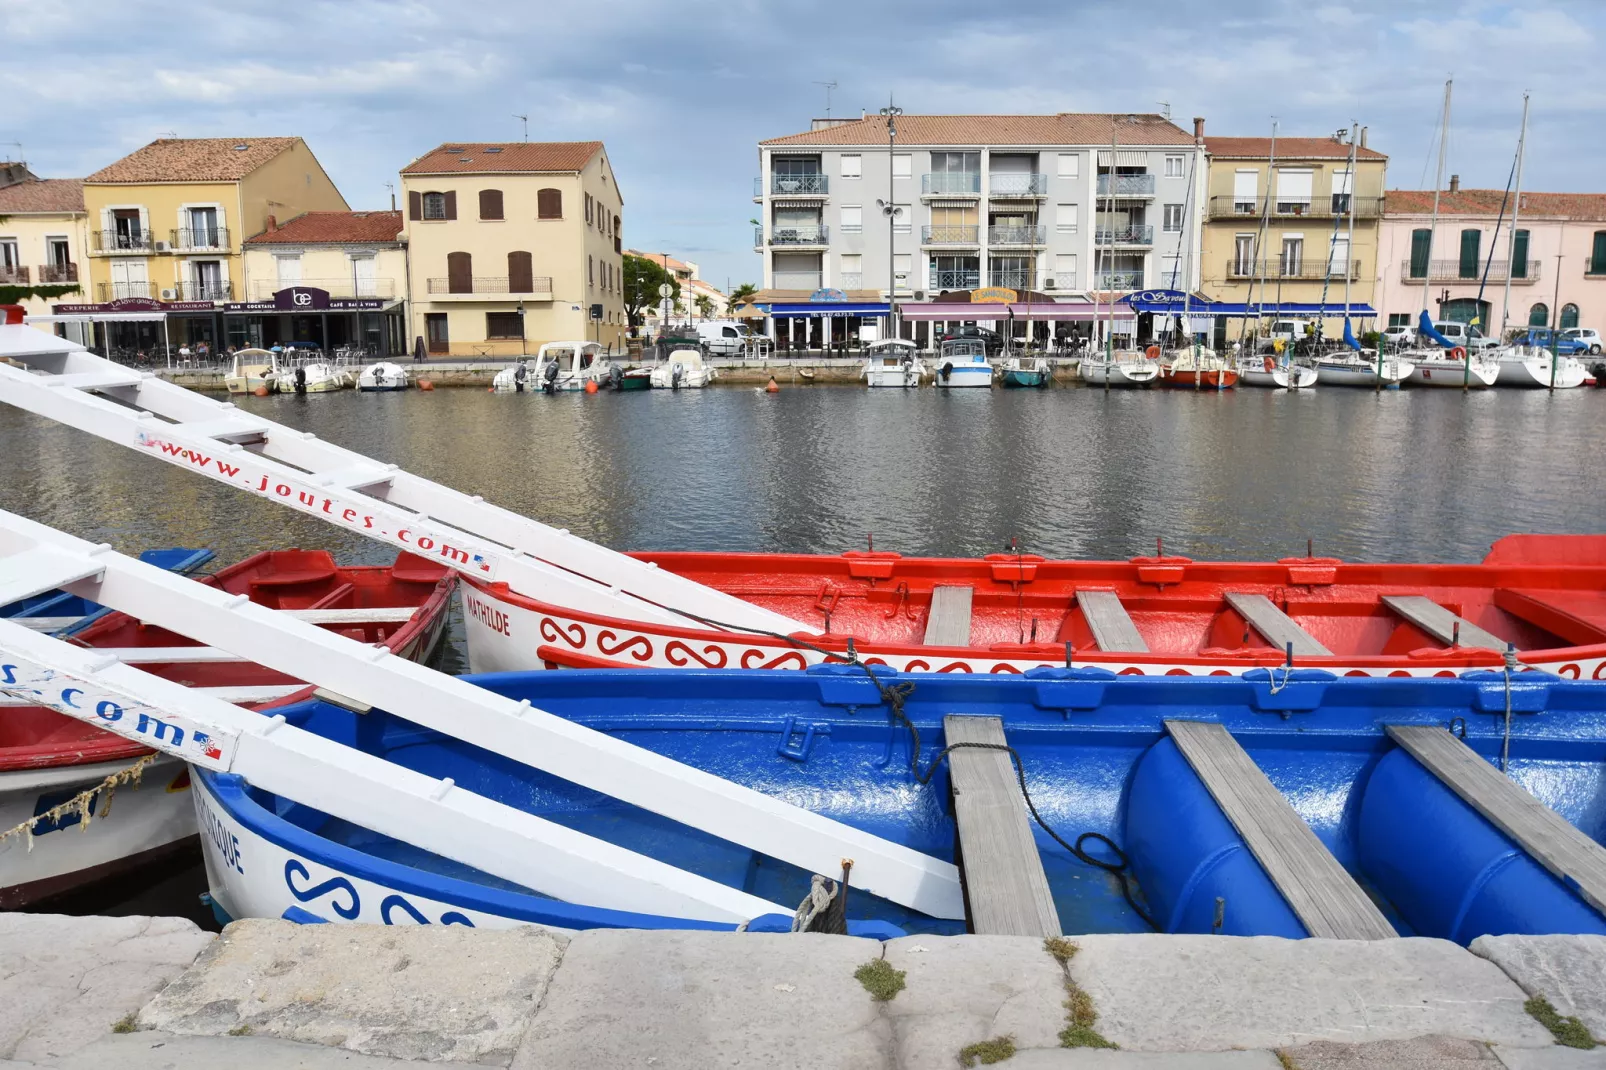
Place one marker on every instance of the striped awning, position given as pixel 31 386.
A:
pixel 792 202
pixel 1123 158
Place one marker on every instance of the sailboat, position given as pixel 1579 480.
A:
pixel 1126 368
pixel 1356 368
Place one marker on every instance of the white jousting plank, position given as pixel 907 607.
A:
pixel 592 759
pixel 358 787
pixel 38 569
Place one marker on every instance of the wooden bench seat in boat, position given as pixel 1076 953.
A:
pixel 1110 623
pixel 1277 627
pixel 948 623
pixel 1321 893
pixel 1440 623
pixel 1005 887
pixel 1547 837
pixel 1576 617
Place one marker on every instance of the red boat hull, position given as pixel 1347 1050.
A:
pixel 1211 379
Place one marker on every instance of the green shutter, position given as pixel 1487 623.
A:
pixel 1519 254
pixel 1569 316
pixel 1469 253
pixel 1597 259
pixel 1539 315
pixel 1421 246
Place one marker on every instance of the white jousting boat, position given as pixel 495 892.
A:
pixel 382 376
pixel 1530 367
pixel 893 362
pixel 963 362
pixel 684 369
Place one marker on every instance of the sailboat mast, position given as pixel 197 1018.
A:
pixel 1438 184
pixel 1109 260
pixel 1349 242
pixel 1260 238
pixel 1516 212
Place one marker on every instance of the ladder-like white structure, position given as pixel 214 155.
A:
pixel 35 558
pixel 63 381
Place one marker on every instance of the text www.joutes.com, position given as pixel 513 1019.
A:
pixel 268 487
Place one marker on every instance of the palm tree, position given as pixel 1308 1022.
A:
pixel 705 306
pixel 743 294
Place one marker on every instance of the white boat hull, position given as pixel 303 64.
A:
pixel 1454 374
pixel 689 379
pixel 1535 373
pixel 967 375
pixel 1123 373
pixel 382 376
pixel 1280 377
pixel 1362 373
pixel 899 375
pixel 247 384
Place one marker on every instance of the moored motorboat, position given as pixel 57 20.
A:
pixel 313 375
pixel 382 375
pixel 683 369
pixel 629 379
pixel 564 366
pixel 962 362
pixel 1157 840
pixel 516 378
pixel 893 362
pixel 253 370
pixel 1025 372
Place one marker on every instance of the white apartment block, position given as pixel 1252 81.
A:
pixel 1060 205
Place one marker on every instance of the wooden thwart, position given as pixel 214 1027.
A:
pixel 1112 628
pixel 948 623
pixel 1320 892
pixel 1547 837
pixel 1004 880
pixel 1278 628
pixel 1440 622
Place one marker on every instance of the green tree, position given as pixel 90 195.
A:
pixel 705 305
pixel 642 279
pixel 743 294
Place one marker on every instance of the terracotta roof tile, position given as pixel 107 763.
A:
pixel 200 159
pixel 43 195
pixel 1066 128
pixel 460 157
pixel 329 228
pixel 1288 148
pixel 1590 206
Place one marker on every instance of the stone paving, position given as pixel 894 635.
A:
pixel 158 993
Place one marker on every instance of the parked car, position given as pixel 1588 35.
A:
pixel 1464 334
pixel 1399 335
pixel 994 341
pixel 1587 335
pixel 1541 337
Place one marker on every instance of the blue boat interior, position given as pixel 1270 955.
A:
pixel 60 604
pixel 1097 757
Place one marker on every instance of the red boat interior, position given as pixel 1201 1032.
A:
pixel 1539 592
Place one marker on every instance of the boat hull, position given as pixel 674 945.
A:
pixel 1453 374
pixel 634 380
pixel 960 376
pixel 1362 373
pixel 1118 373
pixel 382 377
pixel 1278 377
pixel 1536 373
pixel 1207 379
pixel 1018 378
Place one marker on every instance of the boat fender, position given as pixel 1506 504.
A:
pixel 947 370
pixel 1458 353
pixel 1153 352
pixel 1270 364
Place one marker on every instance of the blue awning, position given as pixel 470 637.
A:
pixel 827 308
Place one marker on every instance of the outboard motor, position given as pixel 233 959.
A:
pixel 549 377
pixel 301 379
pixel 519 374
pixel 675 372
pixel 947 370
pixel 615 376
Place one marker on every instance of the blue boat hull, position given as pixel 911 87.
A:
pixel 1015 378
pixel 1097 759
pixel 82 612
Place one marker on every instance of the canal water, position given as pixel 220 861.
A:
pixel 1407 475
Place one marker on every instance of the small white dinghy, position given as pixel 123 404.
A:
pixel 569 366
pixel 1121 368
pixel 1530 367
pixel 684 369
pixel 383 376
pixel 1266 370
pixel 963 362
pixel 893 362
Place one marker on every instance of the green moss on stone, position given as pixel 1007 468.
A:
pixel 987 1052
pixel 1568 1031
pixel 1285 1060
pixel 125 1024
pixel 880 979
pixel 1079 1032
pixel 1061 948
pixel 241 1030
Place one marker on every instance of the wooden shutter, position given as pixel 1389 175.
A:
pixel 490 204
pixel 451 204
pixel 549 204
pixel 459 273
pixel 1421 247
pixel 1470 239
pixel 520 277
pixel 1597 255
pixel 415 204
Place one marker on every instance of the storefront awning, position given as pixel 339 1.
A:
pixel 827 308
pixel 963 310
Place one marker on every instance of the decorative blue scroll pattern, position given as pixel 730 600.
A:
pixel 294 869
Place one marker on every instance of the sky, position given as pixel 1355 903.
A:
pixel 681 93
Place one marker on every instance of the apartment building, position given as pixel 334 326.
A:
pixel 167 225
pixel 1051 207
pixel 1494 261
pixel 44 237
pixel 1278 229
pixel 512 245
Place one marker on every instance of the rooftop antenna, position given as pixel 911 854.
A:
pixel 525 119
pixel 392 187
pixel 167 133
pixel 828 87
pixel 1165 109
pixel 20 157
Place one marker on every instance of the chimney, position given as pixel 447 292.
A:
pixel 1198 130
pixel 273 224
pixel 1455 183
pixel 1363 137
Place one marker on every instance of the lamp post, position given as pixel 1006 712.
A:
pixel 524 346
pixel 890 209
pixel 1555 329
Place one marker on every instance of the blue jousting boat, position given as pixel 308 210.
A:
pixel 1153 823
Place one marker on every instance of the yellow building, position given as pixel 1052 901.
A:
pixel 43 236
pixel 1278 230
pixel 512 245
pixel 335 279
pixel 166 225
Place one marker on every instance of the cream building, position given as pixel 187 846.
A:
pixel 44 239
pixel 512 245
pixel 692 287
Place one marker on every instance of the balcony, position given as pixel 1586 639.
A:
pixel 57 273
pixel 951 184
pixel 1227 206
pixel 1027 235
pixel 483 288
pixel 116 291
pixel 15 276
pixel 1016 185
pixel 794 186
pixel 118 242
pixel 1275 270
pixel 1118 280
pixel 206 291
pixel 950 235
pixel 187 239
pixel 1140 234
pixel 264 289
pixel 797 234
pixel 850 280
pixel 797 280
pixel 1013 279
pixel 960 279
pixel 1126 185
pixel 1451 271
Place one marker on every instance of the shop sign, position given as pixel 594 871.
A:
pixel 993 295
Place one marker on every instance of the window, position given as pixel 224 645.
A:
pixel 289 270
pixel 1064 271
pixel 588 208
pixel 1243 255
pixel 201 229
pixel 519 273
pixel 1338 256
pixel 903 165
pixel 362 276
pixel 1539 315
pixel 459 273
pixel 850 273
pixel 1421 248
pixel 902 267
pixel 1173 167
pixel 1569 316
pixel 1066 216
pixel 549 204
pixel 1172 217
pixel 10 259
pixel 1519 253
pixel 490 204
pixel 1293 190
pixel 504 325
pixel 434 206
pixel 1399 319
pixel 591 271
pixel 1468 266
pixel 1597 255
pixel 1342 187
pixel 1293 255
pixel 1070 165
pixel 852 218
pixel 851 164
pixel 1245 191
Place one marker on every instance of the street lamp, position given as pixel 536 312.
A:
pixel 524 346
pixel 890 209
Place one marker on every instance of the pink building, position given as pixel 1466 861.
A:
pixel 1544 289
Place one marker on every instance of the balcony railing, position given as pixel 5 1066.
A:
pixel 1027 235
pixel 962 279
pixel 1126 185
pixel 206 291
pixel 16 276
pixel 1454 271
pixel 485 284
pixel 850 280
pixel 116 241
pixel 114 291
pixel 264 289
pixel 1302 268
pixel 950 235
pixel 1118 280
pixel 805 234
pixel 1013 279
pixel 1227 206
pixel 794 185
pixel 58 273
pixel 201 238
pixel 951 182
pixel 1016 185
pixel 797 280
pixel 1141 234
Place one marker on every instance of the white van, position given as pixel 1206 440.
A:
pixel 1464 334
pixel 723 337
